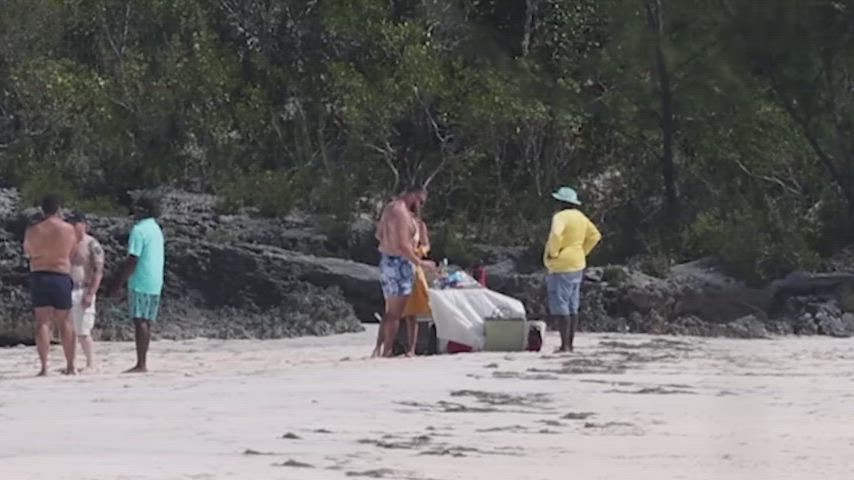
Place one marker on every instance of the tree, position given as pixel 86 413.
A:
pixel 805 53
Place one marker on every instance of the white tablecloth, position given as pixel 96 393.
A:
pixel 459 314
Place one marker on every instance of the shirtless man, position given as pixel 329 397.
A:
pixel 48 246
pixel 87 270
pixel 397 234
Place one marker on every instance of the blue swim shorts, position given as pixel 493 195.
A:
pixel 564 291
pixel 397 276
pixel 51 289
pixel 143 306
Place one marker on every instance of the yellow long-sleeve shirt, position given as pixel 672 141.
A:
pixel 573 236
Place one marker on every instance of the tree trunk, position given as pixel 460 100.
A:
pixel 530 9
pixel 667 122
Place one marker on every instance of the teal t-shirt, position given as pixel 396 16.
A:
pixel 147 245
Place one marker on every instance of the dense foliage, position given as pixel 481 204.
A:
pixel 692 128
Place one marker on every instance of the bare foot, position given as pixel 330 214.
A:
pixel 137 369
pixel 410 354
pixel 69 371
pixel 42 373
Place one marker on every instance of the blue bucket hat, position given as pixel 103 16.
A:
pixel 567 195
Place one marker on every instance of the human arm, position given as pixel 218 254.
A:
pixel 136 244
pixel 424 238
pixel 27 244
pixel 128 266
pixel 553 244
pixel 96 257
pixel 591 238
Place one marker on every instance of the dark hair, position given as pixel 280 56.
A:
pixel 148 205
pixel 51 204
pixel 76 216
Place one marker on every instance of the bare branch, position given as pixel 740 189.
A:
pixel 766 178
pixel 388 152
pixel 530 13
pixel 438 169
pixel 106 27
pixel 444 139
pixel 121 103
pixel 127 25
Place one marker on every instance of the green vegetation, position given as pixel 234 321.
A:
pixel 699 127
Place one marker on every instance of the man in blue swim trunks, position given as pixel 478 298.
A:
pixel 48 244
pixel 143 271
pixel 397 233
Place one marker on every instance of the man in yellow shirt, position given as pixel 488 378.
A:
pixel 573 236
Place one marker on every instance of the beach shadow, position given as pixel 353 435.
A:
pixel 620 429
pixel 293 464
pixel 504 399
pixel 654 391
pixel 578 416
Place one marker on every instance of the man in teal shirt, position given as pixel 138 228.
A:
pixel 143 271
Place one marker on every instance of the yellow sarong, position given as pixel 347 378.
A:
pixel 419 302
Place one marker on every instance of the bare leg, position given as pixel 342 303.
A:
pixel 564 325
pixel 391 322
pixel 379 345
pixel 63 324
pixel 572 328
pixel 44 317
pixel 143 338
pixel 88 346
pixel 412 335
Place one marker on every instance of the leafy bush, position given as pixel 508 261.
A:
pixel 448 242
pixel 39 184
pixel 753 245
pixel 272 193
pixel 836 227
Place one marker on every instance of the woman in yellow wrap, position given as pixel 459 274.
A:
pixel 419 300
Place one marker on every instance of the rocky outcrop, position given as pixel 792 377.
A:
pixel 695 299
pixel 222 280
pixel 235 276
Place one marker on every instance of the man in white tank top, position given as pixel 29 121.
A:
pixel 87 271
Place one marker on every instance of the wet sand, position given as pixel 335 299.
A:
pixel 621 406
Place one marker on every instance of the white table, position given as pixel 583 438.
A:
pixel 459 313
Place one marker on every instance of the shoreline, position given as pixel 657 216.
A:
pixel 623 405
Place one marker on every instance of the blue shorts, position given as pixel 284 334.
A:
pixel 51 289
pixel 564 291
pixel 397 276
pixel 143 306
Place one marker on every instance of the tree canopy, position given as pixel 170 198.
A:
pixel 698 127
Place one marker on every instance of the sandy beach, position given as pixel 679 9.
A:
pixel 622 406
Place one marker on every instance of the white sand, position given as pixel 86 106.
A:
pixel 660 408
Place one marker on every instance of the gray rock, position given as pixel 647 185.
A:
pixel 745 327
pixel 236 276
pixel 848 320
pixel 690 326
pixel 805 325
pixel 220 290
pixel 780 328
pixel 831 325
